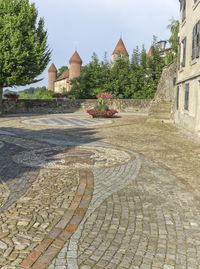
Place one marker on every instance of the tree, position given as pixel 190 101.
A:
pixel 93 79
pixel 61 70
pixel 173 40
pixel 119 83
pixel 155 65
pixel 137 78
pixel 36 93
pixel 24 53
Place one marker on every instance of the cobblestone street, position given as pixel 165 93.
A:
pixel 93 194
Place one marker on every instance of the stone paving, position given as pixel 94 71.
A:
pixel 121 195
pixel 61 121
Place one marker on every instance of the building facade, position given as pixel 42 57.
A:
pixel 187 110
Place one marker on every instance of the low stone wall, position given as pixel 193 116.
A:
pixel 65 105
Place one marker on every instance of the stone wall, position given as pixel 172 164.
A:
pixel 165 90
pixel 162 107
pixel 67 106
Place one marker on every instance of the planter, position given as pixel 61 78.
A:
pixel 101 116
pixel 109 113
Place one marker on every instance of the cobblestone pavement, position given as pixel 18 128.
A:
pixel 66 121
pixel 120 195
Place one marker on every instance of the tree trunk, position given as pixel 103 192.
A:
pixel 1 103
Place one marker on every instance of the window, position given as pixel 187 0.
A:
pixel 196 41
pixel 187 91
pixel 183 9
pixel 179 55
pixel 184 52
pixel 177 98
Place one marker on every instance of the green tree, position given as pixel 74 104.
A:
pixel 119 83
pixel 36 93
pixel 155 65
pixel 61 70
pixel 173 40
pixel 137 78
pixel 24 52
pixel 93 79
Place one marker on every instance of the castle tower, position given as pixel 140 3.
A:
pixel 52 75
pixel 119 51
pixel 75 66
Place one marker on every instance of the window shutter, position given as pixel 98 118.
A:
pixel 179 55
pixel 193 44
pixel 198 40
pixel 184 51
pixel 187 88
pixel 183 10
pixel 177 98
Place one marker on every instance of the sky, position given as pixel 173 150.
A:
pixel 96 26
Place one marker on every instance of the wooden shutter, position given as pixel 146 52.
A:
pixel 184 51
pixel 198 40
pixel 187 93
pixel 177 97
pixel 179 55
pixel 193 44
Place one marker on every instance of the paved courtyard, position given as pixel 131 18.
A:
pixel 93 194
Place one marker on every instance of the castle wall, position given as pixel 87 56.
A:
pixel 67 106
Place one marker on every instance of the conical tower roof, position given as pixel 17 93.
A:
pixel 75 58
pixel 120 48
pixel 52 68
pixel 150 53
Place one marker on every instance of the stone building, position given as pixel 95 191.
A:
pixel 187 112
pixel 58 83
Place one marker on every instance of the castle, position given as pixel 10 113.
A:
pixel 58 83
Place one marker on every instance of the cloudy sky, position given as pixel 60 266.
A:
pixel 96 26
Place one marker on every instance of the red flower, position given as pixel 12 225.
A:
pixel 105 96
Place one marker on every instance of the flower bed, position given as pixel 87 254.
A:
pixel 102 109
pixel 102 113
pixel 59 95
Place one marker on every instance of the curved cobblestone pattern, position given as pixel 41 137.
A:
pixel 50 246
pixel 16 180
pixel 37 218
pixel 144 225
pixel 106 182
pixel 149 220
pixel 26 223
pixel 76 158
